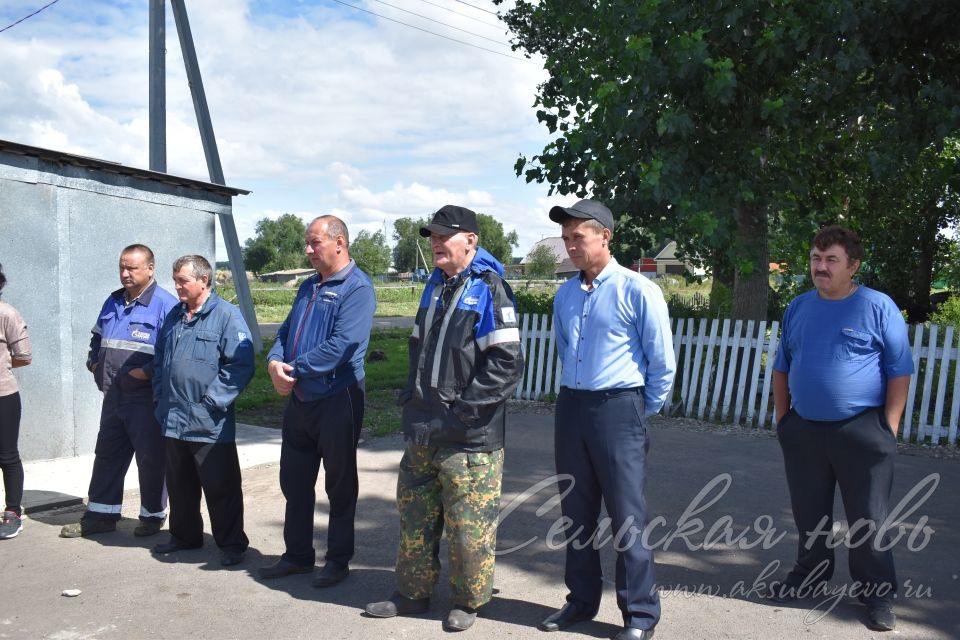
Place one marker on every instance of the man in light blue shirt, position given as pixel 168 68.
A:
pixel 616 349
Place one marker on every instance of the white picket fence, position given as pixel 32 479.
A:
pixel 725 368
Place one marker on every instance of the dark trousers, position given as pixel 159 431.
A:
pixel 856 454
pixel 9 453
pixel 214 468
pixel 327 431
pixel 126 430
pixel 601 441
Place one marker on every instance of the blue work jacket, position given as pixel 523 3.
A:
pixel 201 366
pixel 326 333
pixel 123 339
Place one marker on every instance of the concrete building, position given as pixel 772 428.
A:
pixel 63 222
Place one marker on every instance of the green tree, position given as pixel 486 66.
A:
pixel 542 263
pixel 717 123
pixel 494 240
pixel 277 245
pixel 371 252
pixel 406 234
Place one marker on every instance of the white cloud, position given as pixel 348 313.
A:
pixel 316 108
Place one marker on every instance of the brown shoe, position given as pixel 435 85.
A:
pixel 88 527
pixel 148 528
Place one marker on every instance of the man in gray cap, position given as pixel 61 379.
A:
pixel 614 340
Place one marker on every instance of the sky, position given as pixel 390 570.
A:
pixel 318 107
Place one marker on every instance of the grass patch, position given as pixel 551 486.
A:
pixel 259 404
pixel 273 304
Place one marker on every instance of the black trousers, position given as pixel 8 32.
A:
pixel 214 469
pixel 856 454
pixel 126 430
pixel 321 431
pixel 601 441
pixel 9 453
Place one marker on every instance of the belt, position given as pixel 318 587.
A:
pixel 601 393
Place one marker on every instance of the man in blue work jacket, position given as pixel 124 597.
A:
pixel 204 360
pixel 121 360
pixel 318 356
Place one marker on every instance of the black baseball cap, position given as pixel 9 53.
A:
pixel 451 219
pixel 585 210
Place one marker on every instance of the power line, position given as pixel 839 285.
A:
pixel 476 7
pixel 463 15
pixel 9 26
pixel 449 26
pixel 433 33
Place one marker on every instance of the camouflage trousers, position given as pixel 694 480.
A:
pixel 443 487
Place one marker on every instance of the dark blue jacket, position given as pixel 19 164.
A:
pixel 465 358
pixel 200 368
pixel 123 339
pixel 330 324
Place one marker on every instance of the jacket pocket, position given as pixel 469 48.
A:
pixel 204 421
pixel 205 346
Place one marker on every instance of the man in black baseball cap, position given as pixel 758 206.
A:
pixel 586 210
pixel 450 219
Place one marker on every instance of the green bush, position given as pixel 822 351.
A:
pixel 948 313
pixel 535 302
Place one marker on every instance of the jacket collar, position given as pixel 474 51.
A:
pixel 208 305
pixel 482 261
pixel 144 298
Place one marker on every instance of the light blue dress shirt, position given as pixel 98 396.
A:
pixel 615 335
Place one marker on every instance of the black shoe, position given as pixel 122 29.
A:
pixel 330 575
pixel 630 633
pixel 231 558
pixel 460 618
pixel 880 617
pixel 568 615
pixel 281 569
pixel 782 593
pixel 398 605
pixel 172 547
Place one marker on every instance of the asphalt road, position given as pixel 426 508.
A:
pixel 718 485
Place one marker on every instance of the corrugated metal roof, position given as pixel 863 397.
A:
pixel 115 167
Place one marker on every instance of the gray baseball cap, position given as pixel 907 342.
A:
pixel 585 210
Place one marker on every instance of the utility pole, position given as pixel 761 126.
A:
pixel 158 137
pixel 158 87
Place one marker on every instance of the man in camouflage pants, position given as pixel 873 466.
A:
pixel 465 361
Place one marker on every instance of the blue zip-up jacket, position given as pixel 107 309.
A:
pixel 200 368
pixel 465 358
pixel 123 339
pixel 326 333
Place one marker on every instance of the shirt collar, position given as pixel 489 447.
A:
pixel 339 275
pixel 604 274
pixel 144 298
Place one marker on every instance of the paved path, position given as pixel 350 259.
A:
pixel 128 593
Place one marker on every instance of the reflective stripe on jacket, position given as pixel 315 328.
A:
pixel 465 357
pixel 123 338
